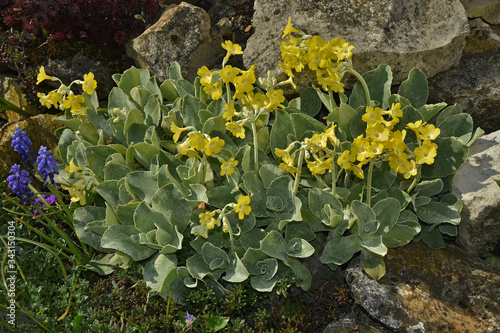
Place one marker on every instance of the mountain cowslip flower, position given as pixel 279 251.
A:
pixel 244 82
pixel 275 99
pixel 243 206
pixel 372 115
pixel 77 192
pixel 426 153
pixel 329 134
pixel 177 131
pixel 197 141
pixel 319 167
pixel 230 111
pixel 317 142
pixel 207 219
pixel 88 83
pixel 72 168
pixel 214 146
pixel 22 144
pixel 229 73
pixel 227 167
pixel 232 49
pixel 236 129
pixel 47 165
pixel 284 154
pixel 410 169
pixel 205 75
pixel 289 168
pixel 346 159
pixel 42 76
pixel 214 90
pixel 429 132
pixel 289 29
pixel 55 98
pixel 49 199
pixel 18 182
pixel 74 102
pixel 415 126
pixel 44 100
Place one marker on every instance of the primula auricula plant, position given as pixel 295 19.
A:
pixel 221 181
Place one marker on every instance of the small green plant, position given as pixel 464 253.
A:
pixel 219 182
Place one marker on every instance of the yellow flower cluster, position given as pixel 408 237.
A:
pixel 63 97
pixel 322 56
pixel 242 208
pixel 318 154
pixel 382 140
pixel 196 142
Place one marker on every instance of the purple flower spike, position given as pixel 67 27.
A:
pixel 47 165
pixel 189 319
pixel 19 181
pixel 22 144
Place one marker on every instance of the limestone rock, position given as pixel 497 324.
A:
pixel 427 34
pixel 474 184
pixel 426 290
pixel 475 83
pixel 488 10
pixel 181 34
pixel 11 91
pixel 40 129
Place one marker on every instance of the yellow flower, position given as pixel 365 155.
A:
pixel 42 76
pixel 177 131
pixel 77 192
pixel 207 219
pixel 289 29
pixel 329 134
pixel 410 169
pixel 230 111
pixel 426 153
pixel 284 154
pixel 397 162
pixel 372 115
pixel 395 111
pixel 415 127
pixel 356 168
pixel 214 146
pixel 55 98
pixel 429 132
pixel 242 207
pixel 228 166
pixel 346 159
pixel 214 90
pixel 320 167
pixel 229 73
pixel 236 129
pixel 74 102
pixel 378 132
pixel 289 168
pixel 317 142
pixel 255 101
pixel 244 82
pixel 361 147
pixel 44 100
pixel 205 75
pixel 72 168
pixel 344 52
pixel 79 112
pixel 197 141
pixel 275 99
pixel 231 49
pixel 376 149
pixel 89 84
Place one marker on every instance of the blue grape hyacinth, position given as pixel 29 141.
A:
pixel 47 165
pixel 22 144
pixel 19 181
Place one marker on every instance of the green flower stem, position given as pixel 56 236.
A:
pixel 334 179
pixel 255 147
pixel 369 184
pixel 200 177
pixel 228 91
pixel 230 230
pixel 415 180
pixel 332 101
pixel 297 176
pixel 363 83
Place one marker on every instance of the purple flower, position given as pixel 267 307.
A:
pixel 21 144
pixel 50 200
pixel 18 182
pixel 189 319
pixel 47 165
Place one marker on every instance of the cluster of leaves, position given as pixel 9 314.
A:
pixel 182 188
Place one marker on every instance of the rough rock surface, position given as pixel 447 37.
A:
pixel 426 290
pixel 488 10
pixel 475 83
pixel 474 184
pixel 11 91
pixel 40 129
pixel 181 34
pixel 428 34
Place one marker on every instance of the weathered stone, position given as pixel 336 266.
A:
pixel 182 34
pixel 488 10
pixel 76 66
pixel 482 38
pixel 474 85
pixel 426 290
pixel 474 184
pixel 40 129
pixel 11 91
pixel 403 34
